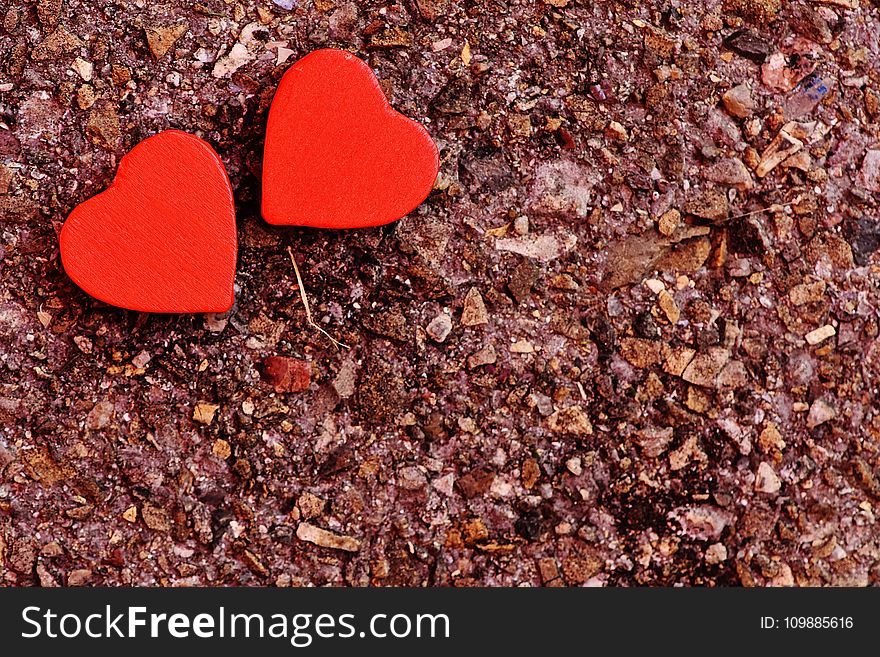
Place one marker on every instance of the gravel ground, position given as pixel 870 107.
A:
pixel 631 338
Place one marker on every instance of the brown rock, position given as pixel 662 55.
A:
pixel 474 311
pixel 48 12
pixel 311 506
pixel 738 101
pixel 705 368
pixel 476 482
pixel 710 204
pixel 156 518
pixel 323 538
pixel 59 43
pixel 570 420
pixel 642 353
pixel 102 128
pixel 162 37
pixel 287 374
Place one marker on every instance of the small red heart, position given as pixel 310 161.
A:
pixel 162 238
pixel 337 154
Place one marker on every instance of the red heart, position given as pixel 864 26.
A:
pixel 162 238
pixel 337 154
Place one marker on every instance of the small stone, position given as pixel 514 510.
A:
pixel 716 554
pixel 820 413
pixel 869 175
pixel 474 311
pixel 521 225
pixel 102 128
pixel 346 379
pixel 56 44
pixel 574 466
pixel 326 539
pixel 617 132
pixel 530 473
pixel 130 514
pixel 311 506
pixel 704 369
pixel 440 328
pixel 83 68
pixel 161 38
pixel 766 479
pixel 204 413
pixel 711 204
pixel 770 439
pixel 738 101
pixel 642 353
pixel 286 374
pixel 654 441
pixel 156 518
pixel 820 335
pixel 85 96
pixel 411 477
pixel 522 280
pixel 100 416
pixel 237 57
pixel 807 293
pixel 748 44
pixel 48 13
pixel 445 484
pixel 760 12
pixel 79 577
pixel 669 222
pixel 730 172
pixel 570 420
pixel 485 356
pixel 789 141
pixel 221 449
pixel 667 304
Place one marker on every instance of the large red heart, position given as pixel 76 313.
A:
pixel 162 238
pixel 337 155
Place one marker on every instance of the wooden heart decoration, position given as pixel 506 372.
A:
pixel 337 154
pixel 162 238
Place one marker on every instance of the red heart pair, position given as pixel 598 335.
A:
pixel 162 238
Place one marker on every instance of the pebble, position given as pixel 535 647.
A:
pixel 716 554
pixel 704 369
pixel 83 68
pixel 869 175
pixel 310 505
pixel 669 222
pixel 667 304
pixel 204 413
pixel 323 538
pixel 570 420
pixel 820 413
pixel 545 248
pixel 738 101
pixel 766 479
pixel 287 374
pixel 100 416
pixel 440 328
pixel 731 172
pixel 162 37
pixel 820 334
pixel 474 311
pixel 485 356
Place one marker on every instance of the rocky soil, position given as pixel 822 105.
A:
pixel 631 338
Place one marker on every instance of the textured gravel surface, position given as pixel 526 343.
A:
pixel 631 338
